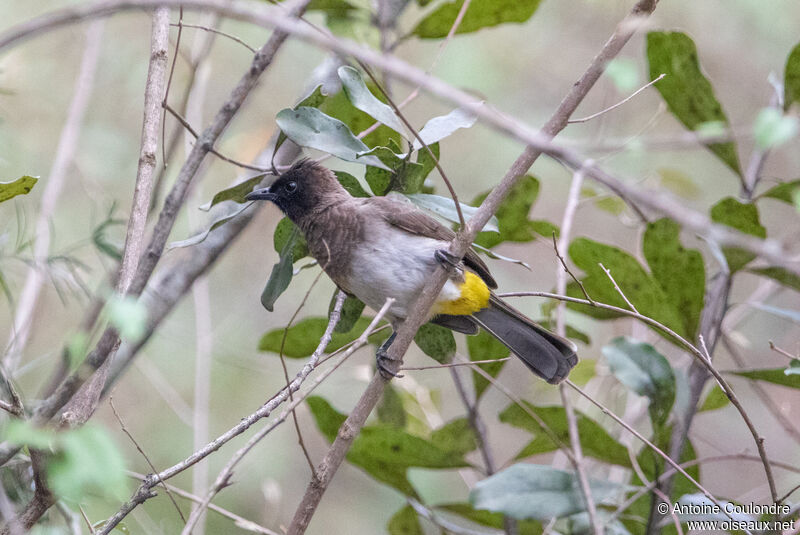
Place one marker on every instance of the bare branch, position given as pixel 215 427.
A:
pixel 143 454
pixel 84 402
pixel 218 32
pixel 239 521
pixel 618 104
pixel 561 330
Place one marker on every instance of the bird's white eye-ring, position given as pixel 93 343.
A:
pixel 290 187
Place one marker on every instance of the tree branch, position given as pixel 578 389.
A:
pixel 419 309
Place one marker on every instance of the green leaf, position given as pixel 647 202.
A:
pixel 791 78
pixel 405 522
pixel 624 72
pixel 492 520
pixel 103 242
pixel 645 371
pixel 772 128
pixel 445 208
pixel 309 127
pixel 390 410
pixel 539 492
pixel 361 97
pixel 383 451
pixel 339 107
pixel 456 436
pixel 20 186
pixel 199 238
pixel 783 192
pixel 23 433
pixel 416 178
pixel 639 287
pixel 314 100
pixel 742 217
pixel 680 272
pixel 480 14
pixel 286 230
pixel 679 183
pixel 402 171
pixel 128 315
pixel 335 6
pixel 235 193
pixel 772 375
pixel 303 337
pixel 512 215
pixel 687 92
pixel 88 463
pixel 441 127
pixel 583 371
pixel 595 440
pixel 783 276
pixel 351 184
pixel 282 271
pixel 437 342
pixel 484 346
pixel 351 312
pixel 715 399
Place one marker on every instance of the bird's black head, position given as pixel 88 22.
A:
pixel 305 188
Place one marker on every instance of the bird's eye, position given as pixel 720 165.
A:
pixel 290 187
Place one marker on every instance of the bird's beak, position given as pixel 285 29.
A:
pixel 263 194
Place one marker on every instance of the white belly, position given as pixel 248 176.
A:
pixel 396 268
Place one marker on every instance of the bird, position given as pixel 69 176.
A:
pixel 375 247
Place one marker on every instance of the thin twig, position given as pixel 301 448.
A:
pixel 414 132
pixel 618 104
pixel 225 474
pixel 212 150
pixel 561 330
pixel 146 458
pixel 472 363
pixel 697 353
pixel 218 32
pixel 239 521
pixel 169 84
pixel 340 296
pixel 617 288
pixel 144 492
pixel 787 425
pixel 783 352
pixel 649 444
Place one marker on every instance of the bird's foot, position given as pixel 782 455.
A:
pixel 384 363
pixel 449 261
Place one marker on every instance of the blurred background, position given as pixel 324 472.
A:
pixel 524 71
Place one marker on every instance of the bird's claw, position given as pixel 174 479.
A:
pixel 449 261
pixel 382 361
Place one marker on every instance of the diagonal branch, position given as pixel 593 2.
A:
pixel 419 309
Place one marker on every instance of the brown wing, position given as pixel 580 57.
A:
pixel 414 221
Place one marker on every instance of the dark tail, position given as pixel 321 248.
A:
pixel 549 356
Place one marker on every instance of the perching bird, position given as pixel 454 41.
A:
pixel 375 248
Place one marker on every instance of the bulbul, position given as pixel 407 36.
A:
pixel 375 248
